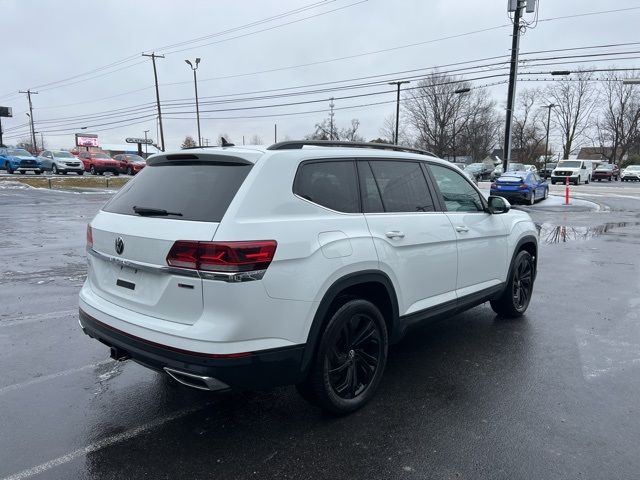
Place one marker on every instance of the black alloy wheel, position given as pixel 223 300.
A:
pixel 54 169
pixel 350 359
pixel 516 296
pixel 354 358
pixel 93 170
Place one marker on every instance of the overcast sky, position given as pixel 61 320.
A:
pixel 50 41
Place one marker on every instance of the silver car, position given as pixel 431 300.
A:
pixel 60 161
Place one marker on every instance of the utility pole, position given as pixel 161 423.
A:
pixel 395 139
pixel 275 133
pixel 33 130
pixel 331 114
pixel 155 77
pixel 546 144
pixel 516 6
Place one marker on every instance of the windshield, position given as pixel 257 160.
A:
pixel 134 158
pixel 62 155
pixel 515 166
pixel 474 167
pixel 633 167
pixel 570 164
pixel 19 152
pixel 101 156
pixel 605 166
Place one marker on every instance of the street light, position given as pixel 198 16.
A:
pixel 195 82
pixel 146 148
pixel 460 91
pixel 398 106
pixel 546 145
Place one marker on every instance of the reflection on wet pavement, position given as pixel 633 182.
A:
pixel 564 233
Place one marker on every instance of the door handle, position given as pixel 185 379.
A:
pixel 395 234
pixel 462 229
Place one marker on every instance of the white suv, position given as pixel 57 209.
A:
pixel 252 267
pixel 578 171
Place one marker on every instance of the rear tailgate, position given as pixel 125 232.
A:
pixel 177 197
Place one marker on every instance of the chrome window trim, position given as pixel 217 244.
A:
pixel 229 277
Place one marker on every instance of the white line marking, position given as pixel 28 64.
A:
pixel 100 444
pixel 38 317
pixel 46 378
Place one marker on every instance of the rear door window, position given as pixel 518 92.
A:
pixel 402 185
pixel 196 190
pixel 329 183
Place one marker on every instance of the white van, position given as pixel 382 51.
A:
pixel 578 171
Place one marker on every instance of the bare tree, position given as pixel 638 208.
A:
pixel 388 130
pixel 255 140
pixel 575 100
pixel 617 127
pixel 323 132
pixel 529 129
pixel 481 125
pixel 189 142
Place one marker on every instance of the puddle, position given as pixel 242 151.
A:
pixel 563 233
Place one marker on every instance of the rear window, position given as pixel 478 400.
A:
pixel 199 191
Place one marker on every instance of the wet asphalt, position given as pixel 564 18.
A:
pixel 552 395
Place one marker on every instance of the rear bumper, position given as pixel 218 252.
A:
pixel 260 369
pixel 513 195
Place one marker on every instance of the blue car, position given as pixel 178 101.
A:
pixel 520 186
pixel 19 160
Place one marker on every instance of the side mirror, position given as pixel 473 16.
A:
pixel 498 205
pixel 584 167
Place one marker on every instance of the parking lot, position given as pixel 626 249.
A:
pixel 551 395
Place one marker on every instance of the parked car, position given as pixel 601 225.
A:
pixel 606 171
pixel 497 171
pixel 631 174
pixel 238 267
pixel 19 160
pixel 523 187
pixel 99 162
pixel 130 164
pixel 578 171
pixel 60 161
pixel 479 170
pixel 520 167
pixel 545 171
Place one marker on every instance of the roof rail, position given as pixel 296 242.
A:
pixel 298 144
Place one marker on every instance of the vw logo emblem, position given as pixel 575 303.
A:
pixel 119 245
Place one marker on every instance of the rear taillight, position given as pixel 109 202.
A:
pixel 493 185
pixel 89 237
pixel 523 186
pixel 222 256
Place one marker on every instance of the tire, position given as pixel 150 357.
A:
pixel 54 169
pixel 37 172
pixel 552 182
pixel 532 200
pixel 577 181
pixel 546 193
pixel 81 173
pixel 346 371
pixel 587 180
pixel 516 296
pixel 129 171
pixel 93 170
pixel 115 174
pixel 22 172
pixel 100 173
pixel 8 168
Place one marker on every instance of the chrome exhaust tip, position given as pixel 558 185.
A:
pixel 200 382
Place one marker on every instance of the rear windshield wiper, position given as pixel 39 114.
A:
pixel 154 212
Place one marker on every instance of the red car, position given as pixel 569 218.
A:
pixel 130 164
pixel 99 162
pixel 606 171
